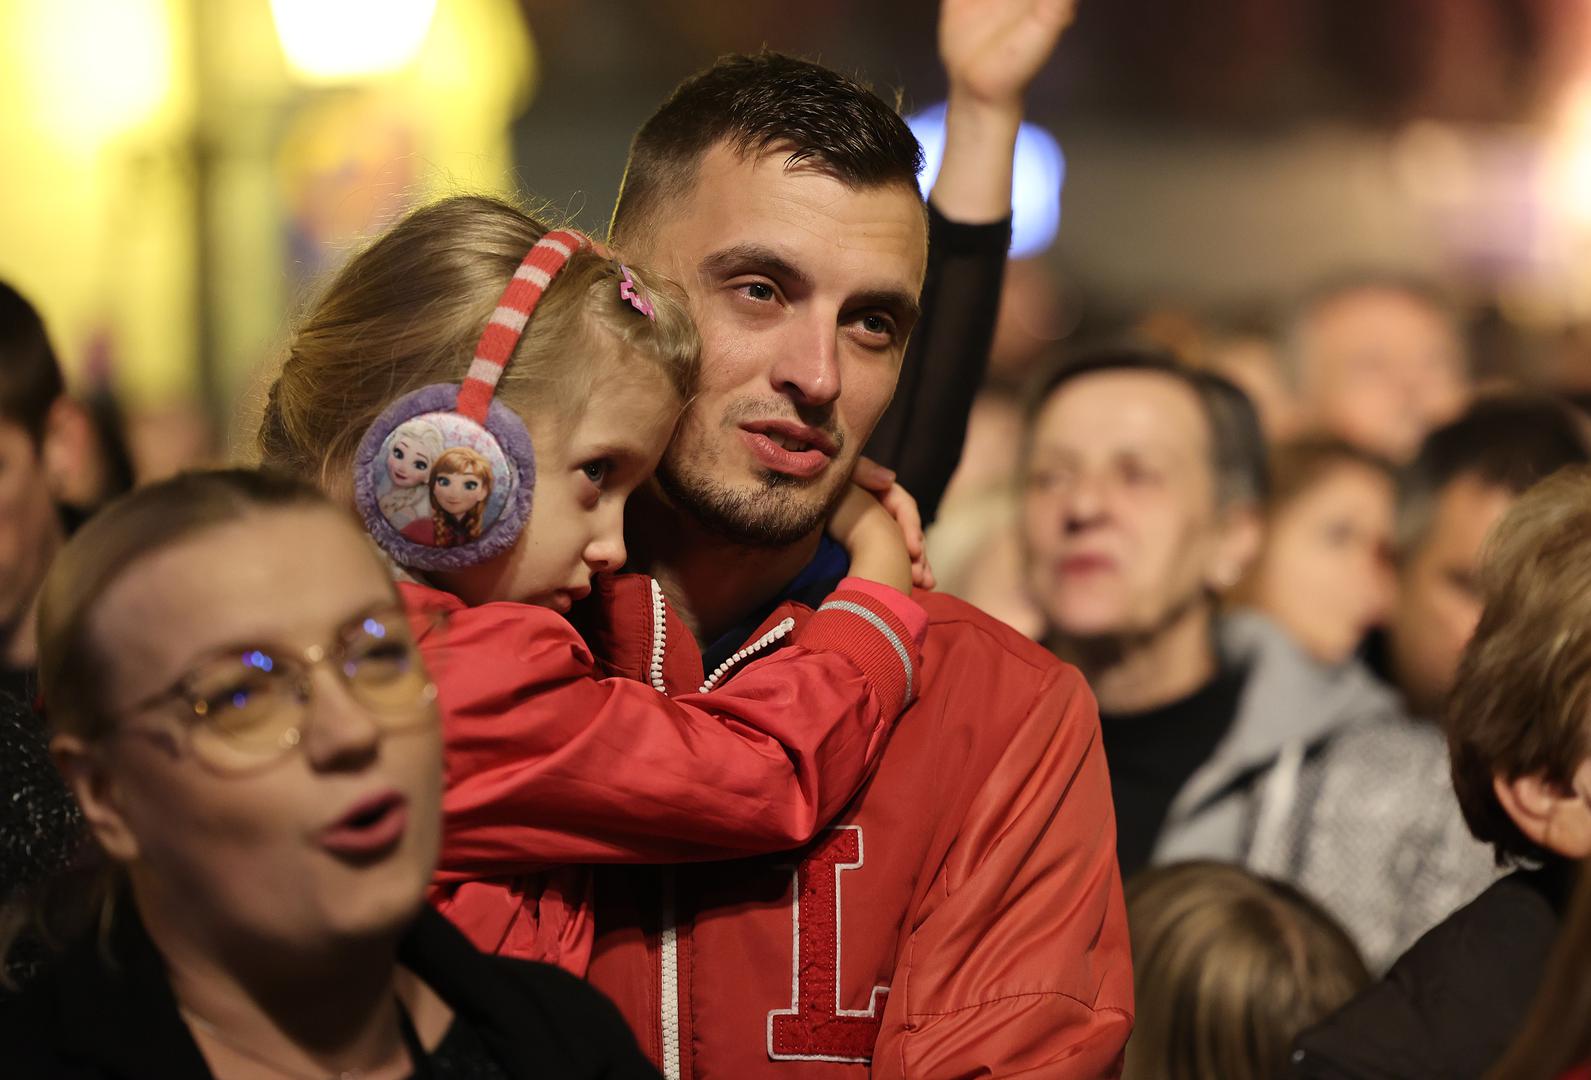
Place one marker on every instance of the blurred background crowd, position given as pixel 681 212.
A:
pixel 1374 218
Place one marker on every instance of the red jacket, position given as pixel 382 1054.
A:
pixel 963 917
pixel 547 763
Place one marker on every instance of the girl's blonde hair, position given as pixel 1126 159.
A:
pixel 460 460
pixel 408 310
pixel 1227 968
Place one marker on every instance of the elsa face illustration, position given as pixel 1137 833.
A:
pixel 407 464
pixel 458 492
pixel 415 448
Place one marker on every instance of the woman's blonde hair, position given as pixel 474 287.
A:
pixel 459 461
pixel 1227 968
pixel 408 310
pixel 73 663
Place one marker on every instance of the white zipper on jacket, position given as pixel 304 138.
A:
pixel 668 935
pixel 659 638
pixel 668 961
pixel 783 627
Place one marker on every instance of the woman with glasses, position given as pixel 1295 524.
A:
pixel 237 703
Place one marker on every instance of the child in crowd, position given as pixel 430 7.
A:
pixel 1227 968
pixel 547 762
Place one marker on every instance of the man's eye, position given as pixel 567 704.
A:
pixel 877 324
pixel 595 471
pixel 758 290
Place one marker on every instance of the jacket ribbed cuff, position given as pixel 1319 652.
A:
pixel 877 628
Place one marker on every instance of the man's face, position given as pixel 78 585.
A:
pixel 804 290
pixel 1119 512
pixel 1381 369
pixel 30 531
pixel 1438 604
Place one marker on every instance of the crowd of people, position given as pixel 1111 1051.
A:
pixel 565 690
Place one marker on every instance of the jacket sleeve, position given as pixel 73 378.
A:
pixel 1023 968
pixel 921 433
pixel 547 763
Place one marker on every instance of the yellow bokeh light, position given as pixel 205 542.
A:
pixel 341 40
pixel 94 68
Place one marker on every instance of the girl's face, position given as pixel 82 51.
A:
pixel 458 492
pixel 586 467
pixel 1325 574
pixel 333 841
pixel 407 464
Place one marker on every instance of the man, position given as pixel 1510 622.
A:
pixel 42 449
pixel 1466 475
pixel 1377 361
pixel 1225 740
pixel 1517 730
pixel 964 913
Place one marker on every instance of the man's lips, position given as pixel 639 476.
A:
pixel 1085 564
pixel 788 447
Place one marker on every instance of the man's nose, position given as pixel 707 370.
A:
pixel 808 368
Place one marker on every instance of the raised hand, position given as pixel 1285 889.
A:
pixel 993 49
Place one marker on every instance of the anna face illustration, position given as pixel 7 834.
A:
pixel 459 492
pixel 408 462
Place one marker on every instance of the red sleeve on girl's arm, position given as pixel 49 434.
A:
pixel 547 763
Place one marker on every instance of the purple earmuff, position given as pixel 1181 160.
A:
pixel 396 474
pixel 445 476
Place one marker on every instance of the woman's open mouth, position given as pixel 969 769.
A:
pixel 372 827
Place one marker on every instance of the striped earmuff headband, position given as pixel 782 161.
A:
pixel 444 477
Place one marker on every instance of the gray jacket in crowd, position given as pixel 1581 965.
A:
pixel 1324 781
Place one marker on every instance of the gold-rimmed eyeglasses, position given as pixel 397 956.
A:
pixel 248 704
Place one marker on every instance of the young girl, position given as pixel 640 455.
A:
pixel 547 762
pixel 461 483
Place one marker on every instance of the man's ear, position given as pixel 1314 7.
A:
pixel 71 455
pixel 1551 815
pixel 97 795
pixel 1242 533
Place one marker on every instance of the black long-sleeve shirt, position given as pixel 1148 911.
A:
pixel 921 433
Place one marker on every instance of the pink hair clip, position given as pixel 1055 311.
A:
pixel 628 291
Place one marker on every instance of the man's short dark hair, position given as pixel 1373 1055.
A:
pixel 1237 442
pixel 1510 441
pixel 30 377
pixel 755 104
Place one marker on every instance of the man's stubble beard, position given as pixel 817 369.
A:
pixel 777 512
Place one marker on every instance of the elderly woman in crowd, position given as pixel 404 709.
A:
pixel 239 708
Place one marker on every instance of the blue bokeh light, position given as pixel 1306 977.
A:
pixel 1037 177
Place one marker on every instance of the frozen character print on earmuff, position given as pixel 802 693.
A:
pixel 409 455
pixel 447 490
pixel 444 477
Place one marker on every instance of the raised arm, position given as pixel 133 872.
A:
pixel 992 50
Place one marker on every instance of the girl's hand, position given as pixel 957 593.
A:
pixel 873 477
pixel 865 529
